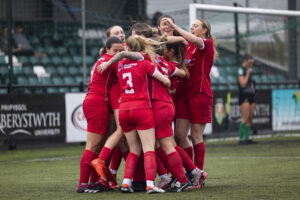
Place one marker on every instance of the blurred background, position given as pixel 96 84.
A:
pixel 64 37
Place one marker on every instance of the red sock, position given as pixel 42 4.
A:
pixel 94 177
pixel 85 167
pixel 105 154
pixel 199 154
pixel 160 153
pixel 150 165
pixel 125 154
pixel 130 165
pixel 116 159
pixel 189 151
pixel 186 160
pixel 139 174
pixel 160 167
pixel 176 168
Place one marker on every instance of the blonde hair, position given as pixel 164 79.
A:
pixel 206 25
pixel 139 44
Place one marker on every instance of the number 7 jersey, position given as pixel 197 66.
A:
pixel 133 80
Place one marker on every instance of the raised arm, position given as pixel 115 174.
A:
pixel 176 39
pixel 186 35
pixel 118 57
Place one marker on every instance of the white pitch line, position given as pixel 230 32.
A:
pixel 53 159
pixel 253 137
pixel 255 157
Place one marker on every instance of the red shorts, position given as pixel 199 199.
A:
pixel 97 115
pixel 164 113
pixel 181 106
pixel 197 109
pixel 139 119
pixel 114 96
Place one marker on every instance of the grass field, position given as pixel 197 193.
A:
pixel 269 169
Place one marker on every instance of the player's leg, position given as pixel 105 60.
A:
pixel 148 141
pixel 245 111
pixel 132 159
pixel 182 126
pixel 92 145
pixel 248 123
pixel 175 164
pixel 101 163
pixel 97 116
pixel 181 135
pixel 200 108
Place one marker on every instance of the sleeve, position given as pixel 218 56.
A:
pixel 240 72
pixel 150 68
pixel 204 43
pixel 173 69
pixel 207 44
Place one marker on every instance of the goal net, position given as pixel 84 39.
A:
pixel 269 35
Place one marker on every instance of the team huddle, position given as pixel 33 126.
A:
pixel 150 80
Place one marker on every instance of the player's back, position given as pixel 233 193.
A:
pixel 133 81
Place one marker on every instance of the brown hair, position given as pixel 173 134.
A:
pixel 179 54
pixel 142 29
pixel 248 57
pixel 164 16
pixel 206 25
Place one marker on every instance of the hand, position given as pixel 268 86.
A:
pixel 184 41
pixel 249 70
pixel 101 68
pixel 172 91
pixel 19 48
pixel 169 22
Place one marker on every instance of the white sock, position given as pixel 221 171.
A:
pixel 113 171
pixel 194 170
pixel 163 176
pixel 150 183
pixel 127 181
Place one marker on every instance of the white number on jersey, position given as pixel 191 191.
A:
pixel 129 82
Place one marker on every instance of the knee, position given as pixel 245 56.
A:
pixel 196 138
pixel 168 148
pixel 93 147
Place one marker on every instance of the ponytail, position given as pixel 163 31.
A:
pixel 139 44
pixel 206 25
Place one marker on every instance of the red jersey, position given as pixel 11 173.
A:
pixel 199 68
pixel 99 82
pixel 133 80
pixel 158 90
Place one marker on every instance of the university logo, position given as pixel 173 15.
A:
pixel 219 112
pixel 78 119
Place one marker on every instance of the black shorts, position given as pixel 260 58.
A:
pixel 246 97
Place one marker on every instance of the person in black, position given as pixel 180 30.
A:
pixel 246 98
